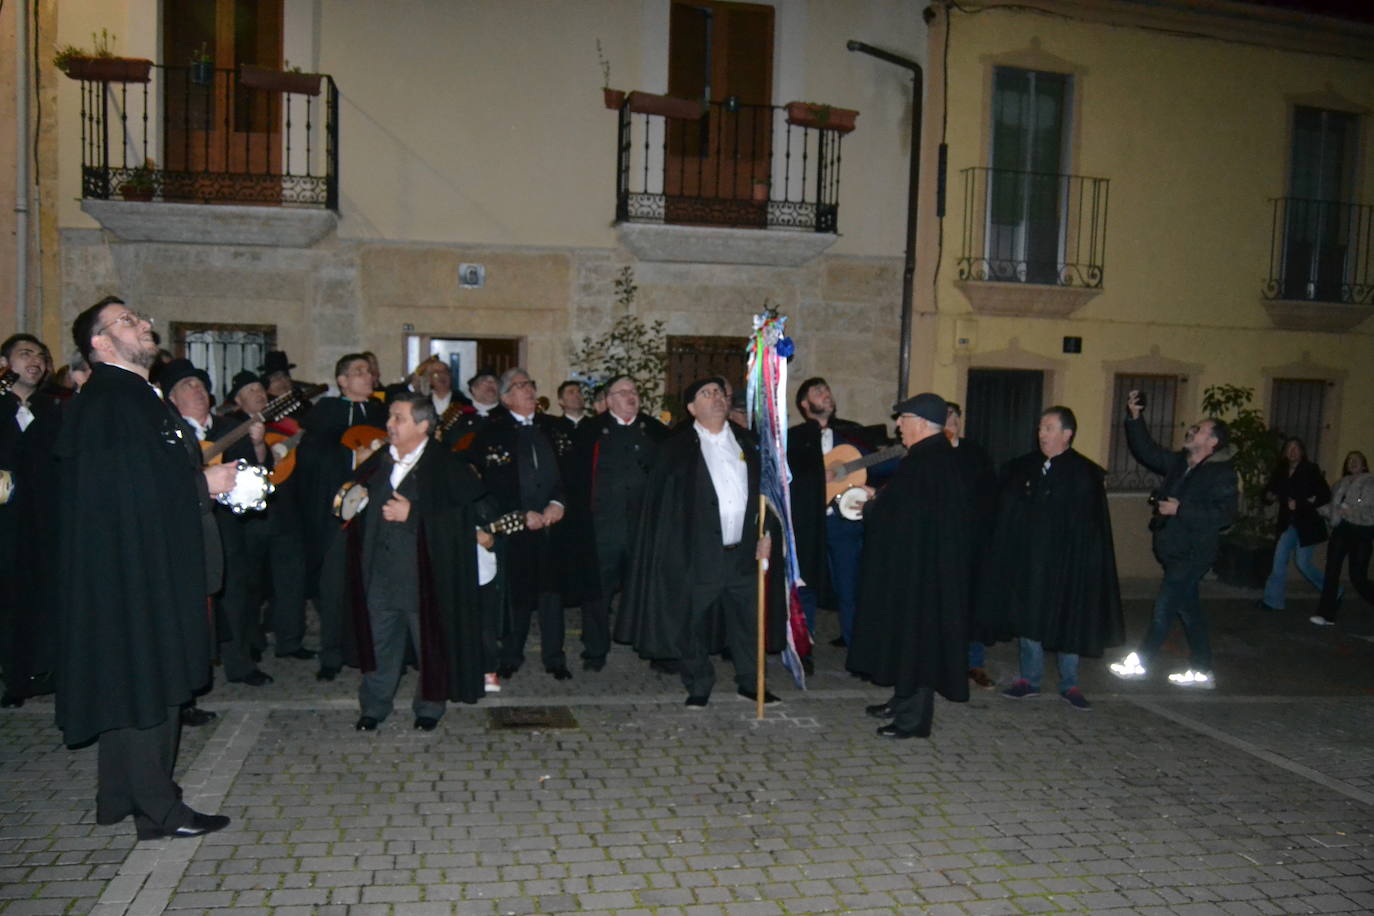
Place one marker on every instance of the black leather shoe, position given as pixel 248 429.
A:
pixel 505 672
pixel 593 664
pixel 880 711
pixel 326 674
pixel 199 825
pixel 365 724
pixel 255 679
pixel 560 673
pixel 698 702
pixel 193 716
pixel 10 701
pixel 892 731
pixel 839 643
pixel 426 724
pixel 753 697
pixel 302 653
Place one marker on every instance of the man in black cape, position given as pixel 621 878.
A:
pixel 612 456
pixel 135 639
pixel 1052 569
pixel 410 568
pixel 912 629
pixel 692 584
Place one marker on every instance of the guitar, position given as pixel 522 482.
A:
pixel 848 465
pixel 276 409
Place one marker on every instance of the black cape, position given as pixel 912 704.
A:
pixel 451 502
pixel 134 629
pixel 913 622
pixel 1051 567
pixel 677 546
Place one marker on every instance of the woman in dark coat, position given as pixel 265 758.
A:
pixel 1351 513
pixel 1299 487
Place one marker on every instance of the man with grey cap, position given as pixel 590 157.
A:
pixel 912 627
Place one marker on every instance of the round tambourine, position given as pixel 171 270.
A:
pixel 6 486
pixel 349 501
pixel 251 488
pixel 850 503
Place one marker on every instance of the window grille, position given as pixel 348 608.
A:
pixel 1160 415
pixel 1296 409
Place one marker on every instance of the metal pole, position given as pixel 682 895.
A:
pixel 913 188
pixel 21 170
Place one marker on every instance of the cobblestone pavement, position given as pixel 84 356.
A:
pixel 1255 798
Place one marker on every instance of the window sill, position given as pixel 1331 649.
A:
pixel 1302 315
pixel 712 245
pixel 1026 300
pixel 201 224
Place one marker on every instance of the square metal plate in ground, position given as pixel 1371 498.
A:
pixel 532 717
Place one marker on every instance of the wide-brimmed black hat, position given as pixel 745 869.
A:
pixel 179 370
pixel 276 362
pixel 242 379
pixel 689 394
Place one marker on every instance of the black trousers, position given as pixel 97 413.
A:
pixel 247 546
pixel 134 775
pixel 914 713
pixel 1357 543
pixel 287 564
pixel 489 603
pixel 613 554
pixel 549 605
pixel 738 606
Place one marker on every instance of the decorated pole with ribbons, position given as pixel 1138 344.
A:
pixel 766 390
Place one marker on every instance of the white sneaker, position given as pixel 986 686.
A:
pixel 1129 668
pixel 493 683
pixel 1198 679
pixel 1321 621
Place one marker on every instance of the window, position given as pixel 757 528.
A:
pixel 223 349
pixel 1025 201
pixel 1161 404
pixel 691 358
pixel 1003 411
pixel 1296 409
pixel 1320 217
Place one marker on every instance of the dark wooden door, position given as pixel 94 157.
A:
pixel 691 358
pixel 1003 411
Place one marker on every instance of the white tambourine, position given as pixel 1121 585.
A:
pixel 6 486
pixel 349 501
pixel 850 503
pixel 251 488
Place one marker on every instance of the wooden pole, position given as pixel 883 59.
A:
pixel 759 648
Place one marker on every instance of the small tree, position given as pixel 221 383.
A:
pixel 631 347
pixel 1255 447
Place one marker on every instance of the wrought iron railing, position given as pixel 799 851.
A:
pixel 197 135
pixel 737 165
pixel 1034 227
pixel 1321 251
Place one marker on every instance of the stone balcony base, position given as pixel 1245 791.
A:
pixel 201 224
pixel 711 245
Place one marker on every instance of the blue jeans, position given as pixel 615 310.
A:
pixel 1178 597
pixel 1033 665
pixel 844 547
pixel 1287 545
pixel 977 654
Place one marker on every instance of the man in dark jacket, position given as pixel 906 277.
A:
pixel 913 624
pixel 135 641
pixel 1052 571
pixel 1196 500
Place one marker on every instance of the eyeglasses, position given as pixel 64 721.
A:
pixel 621 391
pixel 128 320
pixel 525 383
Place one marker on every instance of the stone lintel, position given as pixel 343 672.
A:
pixel 201 224
pixel 1301 315
pixel 1027 300
pixel 712 245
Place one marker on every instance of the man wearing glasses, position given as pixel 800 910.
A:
pixel 135 641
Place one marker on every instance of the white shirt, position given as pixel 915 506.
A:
pixel 402 466
pixel 23 416
pixel 486 565
pixel 730 476
pixel 827 440
pixel 483 409
pixel 200 431
pixel 441 404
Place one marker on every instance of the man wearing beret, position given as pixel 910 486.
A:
pixel 912 628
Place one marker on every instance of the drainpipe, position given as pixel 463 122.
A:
pixel 21 169
pixel 909 271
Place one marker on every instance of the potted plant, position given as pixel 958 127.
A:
pixel 202 67
pixel 666 106
pixel 292 80
pixel 141 183
pixel 823 117
pixel 99 65
pixel 613 98
pixel 1246 549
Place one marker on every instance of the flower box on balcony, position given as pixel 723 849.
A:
pixel 824 117
pixel 614 98
pixel 107 69
pixel 666 106
pixel 279 80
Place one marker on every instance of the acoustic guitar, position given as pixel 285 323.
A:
pixel 849 466
pixel 276 408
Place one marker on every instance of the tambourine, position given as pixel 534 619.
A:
pixel 850 503
pixel 251 488
pixel 6 486
pixel 349 501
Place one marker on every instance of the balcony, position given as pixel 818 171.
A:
pixel 726 182
pixel 1034 243
pixel 1321 264
pixel 261 146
